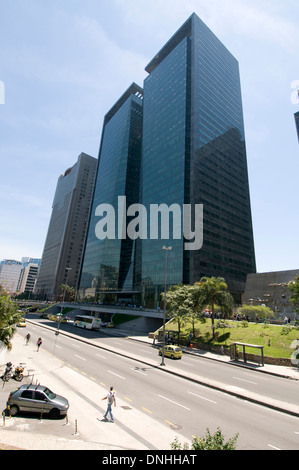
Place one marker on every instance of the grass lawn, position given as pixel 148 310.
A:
pixel 276 339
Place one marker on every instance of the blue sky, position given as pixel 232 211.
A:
pixel 64 63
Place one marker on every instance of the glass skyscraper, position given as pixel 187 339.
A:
pixel 193 153
pixel 109 263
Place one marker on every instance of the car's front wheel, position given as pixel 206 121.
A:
pixel 54 413
pixel 14 410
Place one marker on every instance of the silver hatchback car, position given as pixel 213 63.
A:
pixel 39 399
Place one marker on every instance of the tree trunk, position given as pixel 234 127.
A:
pixel 212 318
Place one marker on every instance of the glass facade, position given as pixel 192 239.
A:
pixel 219 178
pixel 182 144
pixel 163 166
pixel 109 263
pixel 194 153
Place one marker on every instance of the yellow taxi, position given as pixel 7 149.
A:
pixel 22 322
pixel 174 352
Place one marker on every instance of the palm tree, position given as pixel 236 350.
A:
pixel 213 291
pixel 196 306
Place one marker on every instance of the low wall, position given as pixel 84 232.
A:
pixel 277 361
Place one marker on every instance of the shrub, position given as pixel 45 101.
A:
pixel 208 442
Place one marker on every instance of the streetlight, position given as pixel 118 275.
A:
pixel 64 291
pixel 164 314
pixel 67 273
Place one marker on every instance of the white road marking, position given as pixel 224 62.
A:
pixel 273 447
pixel 136 370
pixel 243 380
pixel 203 398
pixel 116 374
pixel 79 357
pixel 103 357
pixel 174 402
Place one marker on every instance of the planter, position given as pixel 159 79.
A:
pixel 277 361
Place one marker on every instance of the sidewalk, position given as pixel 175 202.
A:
pixel 282 371
pixel 85 429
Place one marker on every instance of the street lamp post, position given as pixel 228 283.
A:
pixel 64 291
pixel 164 314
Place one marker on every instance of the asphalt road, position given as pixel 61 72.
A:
pixel 188 406
pixel 277 388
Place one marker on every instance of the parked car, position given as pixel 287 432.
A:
pixel 174 352
pixel 37 398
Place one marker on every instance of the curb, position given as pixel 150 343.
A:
pixel 249 396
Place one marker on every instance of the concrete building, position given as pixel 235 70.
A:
pixel 62 254
pixel 270 289
pixel 28 278
pixel 10 271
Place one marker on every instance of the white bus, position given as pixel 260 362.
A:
pixel 90 323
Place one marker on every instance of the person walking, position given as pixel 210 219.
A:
pixel 27 338
pixel 39 342
pixel 110 397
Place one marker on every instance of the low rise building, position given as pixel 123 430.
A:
pixel 271 289
pixel 10 271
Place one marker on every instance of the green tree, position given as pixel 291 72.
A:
pixel 196 305
pixel 179 304
pixel 67 293
pixel 9 317
pixel 213 291
pixel 209 441
pixel 254 311
pixel 294 289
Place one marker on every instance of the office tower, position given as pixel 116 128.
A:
pixel 28 277
pixel 109 264
pixel 62 254
pixel 296 115
pixel 193 155
pixel 10 271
